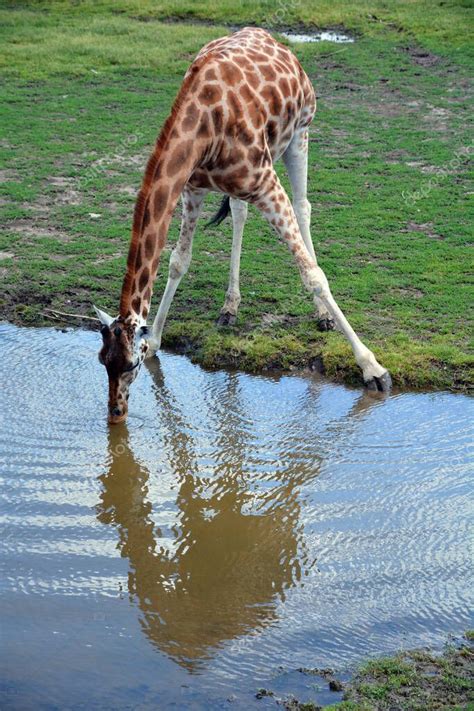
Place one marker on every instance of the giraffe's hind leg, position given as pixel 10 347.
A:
pixel 179 261
pixel 228 312
pixel 275 205
pixel 295 159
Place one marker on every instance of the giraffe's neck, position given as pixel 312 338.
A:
pixel 169 169
pixel 153 211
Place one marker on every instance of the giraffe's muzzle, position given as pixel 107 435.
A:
pixel 117 415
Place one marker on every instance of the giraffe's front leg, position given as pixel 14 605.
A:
pixel 276 207
pixel 179 262
pixel 295 159
pixel 228 314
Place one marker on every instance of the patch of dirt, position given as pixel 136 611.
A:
pixel 277 319
pixel 425 228
pixel 127 190
pixel 108 258
pixel 427 169
pixel 398 156
pixel 437 118
pixel 388 108
pixel 127 160
pixel 41 206
pixel 27 306
pixel 61 257
pixel 340 132
pixel 30 230
pixel 421 57
pixel 410 291
pixel 6 255
pixel 27 297
pixel 328 64
pixel 348 86
pixel 9 175
pixel 65 190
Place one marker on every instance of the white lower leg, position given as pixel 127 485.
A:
pixel 302 208
pixel 179 263
pixel 239 210
pixel 273 202
pixel 366 360
pixel 296 162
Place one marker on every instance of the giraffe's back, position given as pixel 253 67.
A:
pixel 251 95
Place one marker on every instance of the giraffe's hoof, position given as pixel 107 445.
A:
pixel 326 324
pixel 226 319
pixel 382 384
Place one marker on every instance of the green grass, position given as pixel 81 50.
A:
pixel 416 680
pixel 413 681
pixel 87 87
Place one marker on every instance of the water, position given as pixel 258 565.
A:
pixel 236 529
pixel 322 36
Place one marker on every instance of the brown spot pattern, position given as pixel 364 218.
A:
pixel 204 130
pixel 178 158
pixel 230 73
pixel 160 199
pixel 210 94
pixel 136 304
pixel 218 119
pixel 272 96
pixel 191 117
pixel 144 279
pixel 149 245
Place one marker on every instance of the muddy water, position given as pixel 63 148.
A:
pixel 236 529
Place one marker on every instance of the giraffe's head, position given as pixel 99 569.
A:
pixel 123 351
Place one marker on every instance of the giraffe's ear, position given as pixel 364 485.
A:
pixel 104 318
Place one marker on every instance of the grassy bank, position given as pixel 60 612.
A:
pixel 416 680
pixel 87 87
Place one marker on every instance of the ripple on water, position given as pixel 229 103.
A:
pixel 236 524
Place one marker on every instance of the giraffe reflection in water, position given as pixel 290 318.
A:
pixel 237 548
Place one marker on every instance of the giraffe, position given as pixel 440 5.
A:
pixel 244 102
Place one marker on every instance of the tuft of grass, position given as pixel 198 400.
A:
pixel 87 87
pixel 413 681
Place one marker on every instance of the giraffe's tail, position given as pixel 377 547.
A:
pixel 221 214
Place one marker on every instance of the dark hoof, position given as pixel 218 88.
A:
pixel 326 324
pixel 226 319
pixel 381 385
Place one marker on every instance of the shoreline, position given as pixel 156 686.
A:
pixel 255 352
pixel 411 680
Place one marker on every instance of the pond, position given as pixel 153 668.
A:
pixel 236 529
